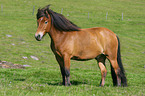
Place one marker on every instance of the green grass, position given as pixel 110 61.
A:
pixel 43 77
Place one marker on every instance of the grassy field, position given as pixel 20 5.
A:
pixel 43 78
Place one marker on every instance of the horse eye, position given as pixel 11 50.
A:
pixel 46 22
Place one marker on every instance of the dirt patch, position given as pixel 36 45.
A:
pixel 9 65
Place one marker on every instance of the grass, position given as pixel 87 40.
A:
pixel 43 77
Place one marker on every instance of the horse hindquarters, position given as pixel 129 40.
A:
pixel 117 70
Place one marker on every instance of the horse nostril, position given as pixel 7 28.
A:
pixel 38 37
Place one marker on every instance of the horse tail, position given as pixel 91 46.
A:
pixel 122 73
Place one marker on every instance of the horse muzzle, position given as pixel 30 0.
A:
pixel 39 36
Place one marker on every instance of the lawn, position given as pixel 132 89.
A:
pixel 43 78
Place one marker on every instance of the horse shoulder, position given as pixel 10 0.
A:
pixel 65 45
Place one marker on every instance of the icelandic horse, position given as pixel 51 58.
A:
pixel 68 41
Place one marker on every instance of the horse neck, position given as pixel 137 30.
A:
pixel 54 34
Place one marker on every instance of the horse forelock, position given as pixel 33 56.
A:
pixel 42 12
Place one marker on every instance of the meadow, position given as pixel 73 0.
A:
pixel 43 77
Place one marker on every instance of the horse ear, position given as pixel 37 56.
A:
pixel 39 10
pixel 48 6
pixel 47 14
pixel 38 15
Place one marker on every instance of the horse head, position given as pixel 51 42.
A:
pixel 44 23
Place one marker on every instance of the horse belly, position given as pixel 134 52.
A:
pixel 85 55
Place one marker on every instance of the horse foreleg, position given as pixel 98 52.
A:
pixel 67 69
pixel 61 64
pixel 63 75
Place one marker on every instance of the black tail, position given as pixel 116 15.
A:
pixel 122 73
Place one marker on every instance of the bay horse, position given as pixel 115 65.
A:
pixel 68 41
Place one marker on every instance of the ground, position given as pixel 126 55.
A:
pixel 17 29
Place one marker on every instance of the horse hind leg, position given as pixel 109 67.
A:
pixel 101 62
pixel 113 74
pixel 116 73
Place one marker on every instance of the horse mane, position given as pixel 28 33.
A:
pixel 58 20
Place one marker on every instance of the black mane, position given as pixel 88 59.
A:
pixel 58 20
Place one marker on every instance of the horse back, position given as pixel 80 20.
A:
pixel 91 42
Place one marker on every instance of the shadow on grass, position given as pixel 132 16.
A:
pixel 19 79
pixel 72 82
pixel 56 83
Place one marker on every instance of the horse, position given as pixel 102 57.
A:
pixel 70 42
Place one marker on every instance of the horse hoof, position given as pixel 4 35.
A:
pixel 69 84
pixel 101 85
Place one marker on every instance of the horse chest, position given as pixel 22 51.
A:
pixel 60 49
